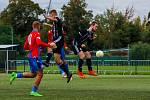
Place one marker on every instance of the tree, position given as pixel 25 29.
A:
pixel 110 28
pixel 20 14
pixel 145 34
pixel 148 15
pixel 117 29
pixel 5 32
pixel 140 51
pixel 76 17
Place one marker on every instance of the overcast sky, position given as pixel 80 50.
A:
pixel 141 7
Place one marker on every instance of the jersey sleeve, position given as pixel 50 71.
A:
pixel 56 41
pixel 91 36
pixel 80 36
pixel 39 42
pixel 90 39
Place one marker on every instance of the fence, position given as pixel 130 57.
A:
pixel 5 56
pixel 101 66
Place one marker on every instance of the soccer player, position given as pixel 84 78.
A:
pixel 58 39
pixel 33 44
pixel 50 53
pixel 79 47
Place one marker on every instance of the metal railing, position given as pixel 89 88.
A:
pixel 101 66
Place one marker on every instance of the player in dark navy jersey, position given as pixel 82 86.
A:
pixel 58 39
pixel 80 47
pixel 50 51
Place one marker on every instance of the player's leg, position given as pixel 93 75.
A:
pixel 62 72
pixel 38 78
pixel 32 74
pixel 36 84
pixel 21 75
pixel 36 71
pixel 89 63
pixel 80 63
pixel 48 57
pixel 63 59
pixel 58 60
pixel 78 51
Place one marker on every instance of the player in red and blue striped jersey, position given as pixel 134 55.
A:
pixel 33 44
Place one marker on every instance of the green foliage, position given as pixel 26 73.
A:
pixel 140 51
pixel 145 35
pixel 148 15
pixel 76 17
pixel 20 14
pixel 116 29
pixel 5 35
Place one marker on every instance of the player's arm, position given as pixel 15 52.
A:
pixel 79 38
pixel 50 18
pixel 58 40
pixel 43 44
pixel 91 39
pixel 92 36
pixel 46 24
pixel 40 43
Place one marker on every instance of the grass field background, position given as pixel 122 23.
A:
pixel 102 87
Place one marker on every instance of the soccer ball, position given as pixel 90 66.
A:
pixel 99 53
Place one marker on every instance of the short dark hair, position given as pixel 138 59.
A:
pixel 53 11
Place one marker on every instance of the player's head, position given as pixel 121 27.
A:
pixel 93 26
pixel 53 13
pixel 36 25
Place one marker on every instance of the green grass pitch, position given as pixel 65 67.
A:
pixel 102 87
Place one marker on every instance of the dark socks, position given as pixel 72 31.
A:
pixel 89 64
pixel 63 67
pixel 80 63
pixel 48 57
pixel 66 65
